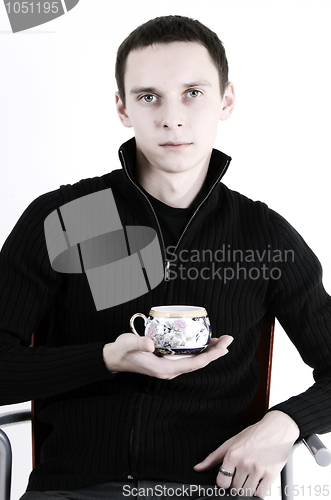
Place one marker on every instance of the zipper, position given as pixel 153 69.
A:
pixel 137 415
pixel 202 202
pixel 130 476
pixel 167 262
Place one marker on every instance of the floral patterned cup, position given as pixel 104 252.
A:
pixel 176 330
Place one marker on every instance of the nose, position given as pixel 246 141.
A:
pixel 170 125
pixel 171 117
pixel 175 125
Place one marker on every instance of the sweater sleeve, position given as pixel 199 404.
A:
pixel 28 284
pixel 303 308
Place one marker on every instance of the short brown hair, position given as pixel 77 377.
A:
pixel 167 29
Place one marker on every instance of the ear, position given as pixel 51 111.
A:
pixel 121 110
pixel 228 102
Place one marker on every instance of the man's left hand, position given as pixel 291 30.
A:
pixel 255 456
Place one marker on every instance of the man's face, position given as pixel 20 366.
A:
pixel 174 104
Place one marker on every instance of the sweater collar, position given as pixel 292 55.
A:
pixel 218 165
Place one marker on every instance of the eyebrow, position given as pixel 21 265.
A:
pixel 153 90
pixel 198 83
pixel 138 90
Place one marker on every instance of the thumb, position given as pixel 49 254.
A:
pixel 147 344
pixel 130 342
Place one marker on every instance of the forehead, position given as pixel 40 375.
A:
pixel 165 63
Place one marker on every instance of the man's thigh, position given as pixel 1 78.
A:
pixel 106 491
pixel 140 490
pixel 41 495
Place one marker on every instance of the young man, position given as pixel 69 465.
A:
pixel 121 417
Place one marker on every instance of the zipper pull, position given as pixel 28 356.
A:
pixel 167 271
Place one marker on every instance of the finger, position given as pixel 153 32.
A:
pixel 207 463
pixel 227 469
pixel 217 347
pixel 263 489
pixel 223 479
pixel 226 340
pixel 215 351
pixel 239 480
pixel 214 458
pixel 249 487
pixel 163 368
pixel 189 364
pixel 223 341
pixel 254 477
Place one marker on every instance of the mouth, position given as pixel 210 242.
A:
pixel 175 145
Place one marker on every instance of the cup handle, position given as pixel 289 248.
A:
pixel 132 321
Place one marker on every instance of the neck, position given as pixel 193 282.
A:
pixel 176 189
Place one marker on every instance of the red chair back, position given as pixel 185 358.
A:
pixel 260 403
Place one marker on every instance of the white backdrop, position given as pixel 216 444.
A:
pixel 58 124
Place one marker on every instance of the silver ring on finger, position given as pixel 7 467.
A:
pixel 225 472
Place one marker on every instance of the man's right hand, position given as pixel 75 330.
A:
pixel 130 353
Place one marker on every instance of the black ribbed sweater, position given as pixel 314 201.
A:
pixel 111 427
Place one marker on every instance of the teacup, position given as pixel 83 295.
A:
pixel 176 330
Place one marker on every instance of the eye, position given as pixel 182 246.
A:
pixel 148 98
pixel 194 93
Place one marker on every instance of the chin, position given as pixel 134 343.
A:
pixel 172 168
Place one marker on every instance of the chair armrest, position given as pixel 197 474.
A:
pixel 321 454
pixel 6 451
pixel 15 417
